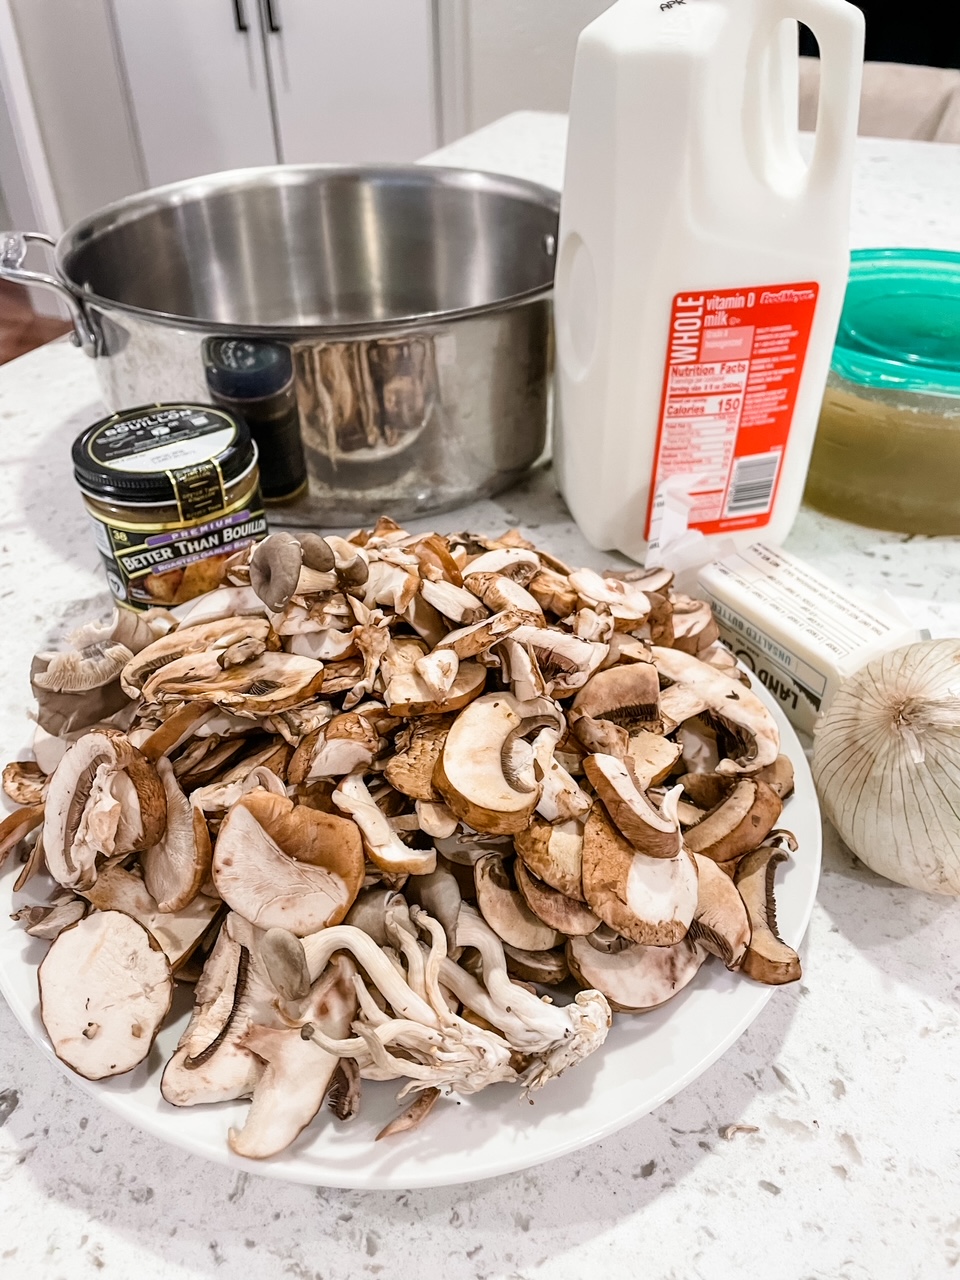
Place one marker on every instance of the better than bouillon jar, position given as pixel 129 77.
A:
pixel 172 491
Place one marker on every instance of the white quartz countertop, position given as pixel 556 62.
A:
pixel 850 1078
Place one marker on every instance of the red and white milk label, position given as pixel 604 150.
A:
pixel 733 368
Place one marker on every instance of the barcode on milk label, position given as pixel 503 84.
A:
pixel 734 360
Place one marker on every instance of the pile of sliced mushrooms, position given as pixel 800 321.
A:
pixel 400 807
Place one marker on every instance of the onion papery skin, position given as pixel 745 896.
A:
pixel 886 762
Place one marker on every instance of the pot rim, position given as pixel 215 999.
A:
pixel 130 208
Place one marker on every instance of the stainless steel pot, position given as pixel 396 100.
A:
pixel 386 331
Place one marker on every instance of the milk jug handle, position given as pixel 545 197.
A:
pixel 839 29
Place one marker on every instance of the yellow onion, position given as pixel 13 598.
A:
pixel 886 762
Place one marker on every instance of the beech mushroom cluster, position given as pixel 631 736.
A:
pixel 401 807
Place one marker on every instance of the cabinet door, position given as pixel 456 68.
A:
pixel 352 79
pixel 198 85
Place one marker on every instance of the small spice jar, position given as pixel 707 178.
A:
pixel 172 491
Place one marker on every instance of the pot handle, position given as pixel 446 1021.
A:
pixel 14 246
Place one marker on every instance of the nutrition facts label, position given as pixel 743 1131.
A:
pixel 733 368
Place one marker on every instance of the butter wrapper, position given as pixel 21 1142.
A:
pixel 798 631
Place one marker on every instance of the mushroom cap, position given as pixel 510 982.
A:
pixel 505 911
pixel 768 958
pixel 417 750
pixel 275 569
pixel 105 989
pixel 649 900
pixel 281 866
pixel 176 867
pixel 567 915
pixel 470 771
pixel 739 822
pixel 720 922
pixel 637 977
pixel 650 831
pixel 627 695
pixel 554 853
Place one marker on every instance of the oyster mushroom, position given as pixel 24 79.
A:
pixel 627 696
pixel 471 774
pixel 636 977
pixel 439 894
pixel 275 569
pixel 568 916
pixel 103 800
pixel 652 832
pixel 105 989
pixel 768 958
pixel 720 922
pixel 649 900
pixel 280 866
pixel 698 687
pixel 554 853
pixel 382 844
pixel 79 687
pixel 738 823
pixel 505 911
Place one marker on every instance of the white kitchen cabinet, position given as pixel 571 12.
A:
pixel 222 84
pixel 198 85
pixel 352 79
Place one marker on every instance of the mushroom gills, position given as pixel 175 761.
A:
pixel 768 958
pixel 635 978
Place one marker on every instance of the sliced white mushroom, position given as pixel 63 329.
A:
pixel 382 844
pixel 456 603
pixel 479 637
pixel 636 977
pixel 284 866
pixel 649 900
pixel 627 602
pixel 566 661
pixel 517 563
pixel 438 670
pixel 408 694
pixel 768 958
pixel 105 989
pixel 346 742
pixel 435 819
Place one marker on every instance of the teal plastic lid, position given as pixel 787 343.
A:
pixel 900 326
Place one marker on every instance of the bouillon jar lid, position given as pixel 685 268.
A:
pixel 182 454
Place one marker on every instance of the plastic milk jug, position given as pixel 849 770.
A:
pixel 702 262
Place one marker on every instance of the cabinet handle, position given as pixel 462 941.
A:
pixel 239 16
pixel 273 22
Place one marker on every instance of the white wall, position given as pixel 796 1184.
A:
pixel 499 56
pixel 71 65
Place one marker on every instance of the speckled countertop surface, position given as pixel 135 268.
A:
pixel 850 1078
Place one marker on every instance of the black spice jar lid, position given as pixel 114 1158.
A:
pixel 149 454
pixel 245 368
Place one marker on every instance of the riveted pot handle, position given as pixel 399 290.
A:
pixel 14 246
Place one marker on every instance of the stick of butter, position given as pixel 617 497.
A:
pixel 798 631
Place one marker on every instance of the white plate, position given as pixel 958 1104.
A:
pixel 647 1058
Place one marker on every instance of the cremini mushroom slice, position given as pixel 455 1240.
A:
pixel 549 968
pixel 17 826
pixel 651 757
pixel 649 900
pixel 565 661
pixel 475 774
pixel 599 736
pixel 438 670
pixel 199 638
pixel 738 824
pixel 499 592
pixel 176 867
pixel 480 637
pixel 519 563
pixel 504 909
pixel 553 592
pixel 416 751
pixel 105 989
pixel 268 684
pixel 383 846
pixel 694 628
pixel 568 916
pixel 103 800
pixel 456 603
pixel 281 866
pixel 636 977
pixel 413 1116
pixel 177 932
pixel 48 921
pixel 649 830
pixel 347 742
pixel 435 819
pixel 408 694
pixel 720 922
pixel 345 1089
pixel 627 696
pixel 698 687
pixel 767 959
pixel 553 851
pixel 24 782
pixel 707 790
pixel 778 776
pixel 628 604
